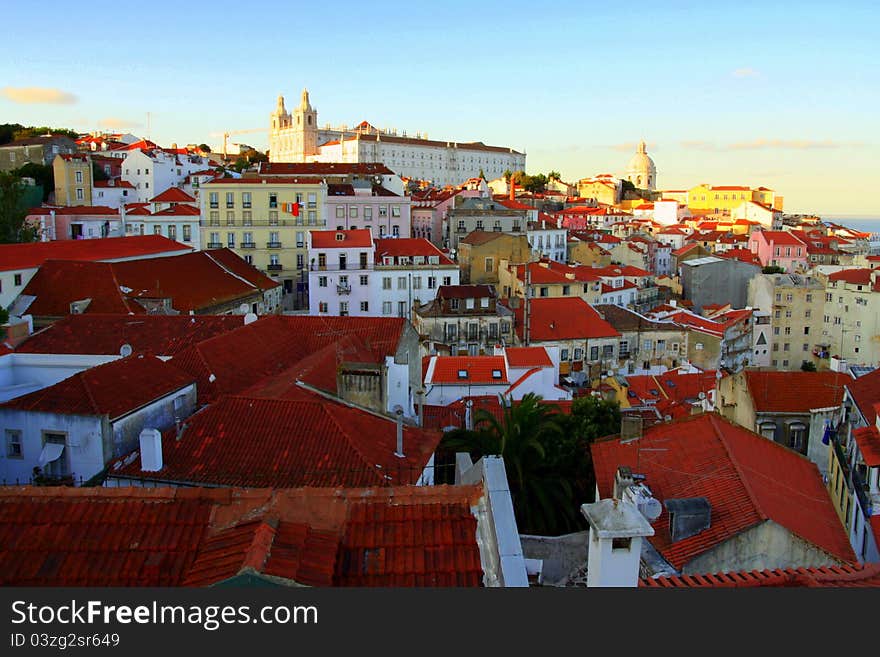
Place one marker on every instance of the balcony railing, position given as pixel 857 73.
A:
pixel 842 460
pixel 343 289
pixel 248 245
pixel 215 245
pixel 277 267
pixel 861 489
pixel 273 245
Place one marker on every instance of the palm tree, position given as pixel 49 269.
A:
pixel 542 497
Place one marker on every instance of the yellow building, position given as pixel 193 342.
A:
pixel 726 198
pixel 604 188
pixel 73 179
pixel 587 253
pixel 481 252
pixel 266 221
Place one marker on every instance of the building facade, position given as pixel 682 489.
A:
pixel 296 137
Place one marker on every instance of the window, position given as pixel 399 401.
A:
pixel 230 218
pixel 13 444
pixel 274 260
pixel 386 307
pixel 594 353
pixel 806 330
pixel 313 200
pixel 313 217
pixel 368 213
pixel 245 199
pixel 450 332
pixel 395 210
pixel 432 282
pixel 273 200
pixel 230 199
pixel 364 279
pixel 17 279
pixel 322 307
pixel 417 283
pixel 401 308
pixel 578 353
pixel 249 259
pixel 352 211
pixel 365 306
pixel 564 354
pixel 493 330
pixel 230 240
pixel 386 282
pixel 447 280
pixel 58 466
pixel 172 232
pixel 322 281
pixel 79 194
pixel 340 212
pixel 343 308
pixel 401 282
pixel 383 211
pixel 273 217
pixel 157 230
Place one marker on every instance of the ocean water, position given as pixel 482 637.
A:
pixel 866 224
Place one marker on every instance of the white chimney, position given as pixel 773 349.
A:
pixel 469 415
pixel 399 452
pixel 615 544
pixel 151 450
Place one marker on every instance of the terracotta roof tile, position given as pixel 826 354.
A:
pixel 32 255
pixel 865 390
pixel 351 239
pixel 528 357
pixel 795 392
pixel 746 478
pixel 563 318
pixel 849 575
pixel 113 389
pixel 173 195
pixel 478 370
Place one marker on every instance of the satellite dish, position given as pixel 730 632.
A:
pixel 651 508
pixel 702 395
pixel 250 318
pixel 244 308
pixel 125 350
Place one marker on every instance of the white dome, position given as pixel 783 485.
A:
pixel 641 162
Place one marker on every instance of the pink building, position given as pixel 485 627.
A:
pixel 76 222
pixel 362 204
pixel 779 248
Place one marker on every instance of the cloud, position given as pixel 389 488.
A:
pixel 791 144
pixel 768 144
pixel 745 72
pixel 113 122
pixel 34 95
pixel 699 145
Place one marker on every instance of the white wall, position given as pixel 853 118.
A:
pixel 8 289
pixel 23 373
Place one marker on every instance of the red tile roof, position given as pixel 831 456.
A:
pixel 528 357
pixel 778 238
pixel 390 536
pixel 351 239
pixel 311 441
pixel 479 370
pixel 162 335
pixel 323 168
pixel 564 318
pixel 746 478
pixel 113 389
pixel 409 246
pixel 111 184
pixel 743 255
pixel 178 211
pixel 276 351
pixel 845 576
pixel 865 390
pixel 97 210
pixel 868 440
pixel 852 276
pixel 795 392
pixel 194 281
pixel 173 195
pixel 269 180
pixel 34 254
pixel 465 291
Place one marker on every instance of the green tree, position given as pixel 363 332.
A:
pixel 12 211
pixel 542 496
pixel 482 175
pixel 43 174
pixel 808 366
pixel 4 315
pixel 772 269
pixel 554 175
pixel 508 174
pixel 205 148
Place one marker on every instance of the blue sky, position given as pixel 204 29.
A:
pixel 780 94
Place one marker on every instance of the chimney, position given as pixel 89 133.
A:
pixel 615 544
pixel 630 427
pixel 512 189
pixel 151 450
pixel 399 412
pixel 623 479
pixel 420 397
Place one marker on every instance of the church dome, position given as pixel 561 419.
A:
pixel 641 169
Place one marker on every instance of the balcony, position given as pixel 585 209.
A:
pixel 461 229
pixel 273 245
pixel 215 245
pixel 343 289
pixel 248 245
pixel 275 267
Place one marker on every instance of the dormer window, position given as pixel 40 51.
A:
pixel 340 237
pixel 462 374
pixel 496 374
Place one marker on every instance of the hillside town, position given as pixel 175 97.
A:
pixel 371 358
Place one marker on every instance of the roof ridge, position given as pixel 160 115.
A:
pixel 229 271
pixel 118 287
pixel 260 548
pixel 733 461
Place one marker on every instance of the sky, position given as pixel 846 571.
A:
pixel 784 95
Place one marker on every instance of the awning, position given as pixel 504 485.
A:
pixel 51 452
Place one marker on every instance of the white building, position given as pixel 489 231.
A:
pixel 363 204
pixel 512 372
pixel 113 193
pixel 156 170
pixel 547 238
pixel 350 274
pixel 295 137
pixel 72 430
